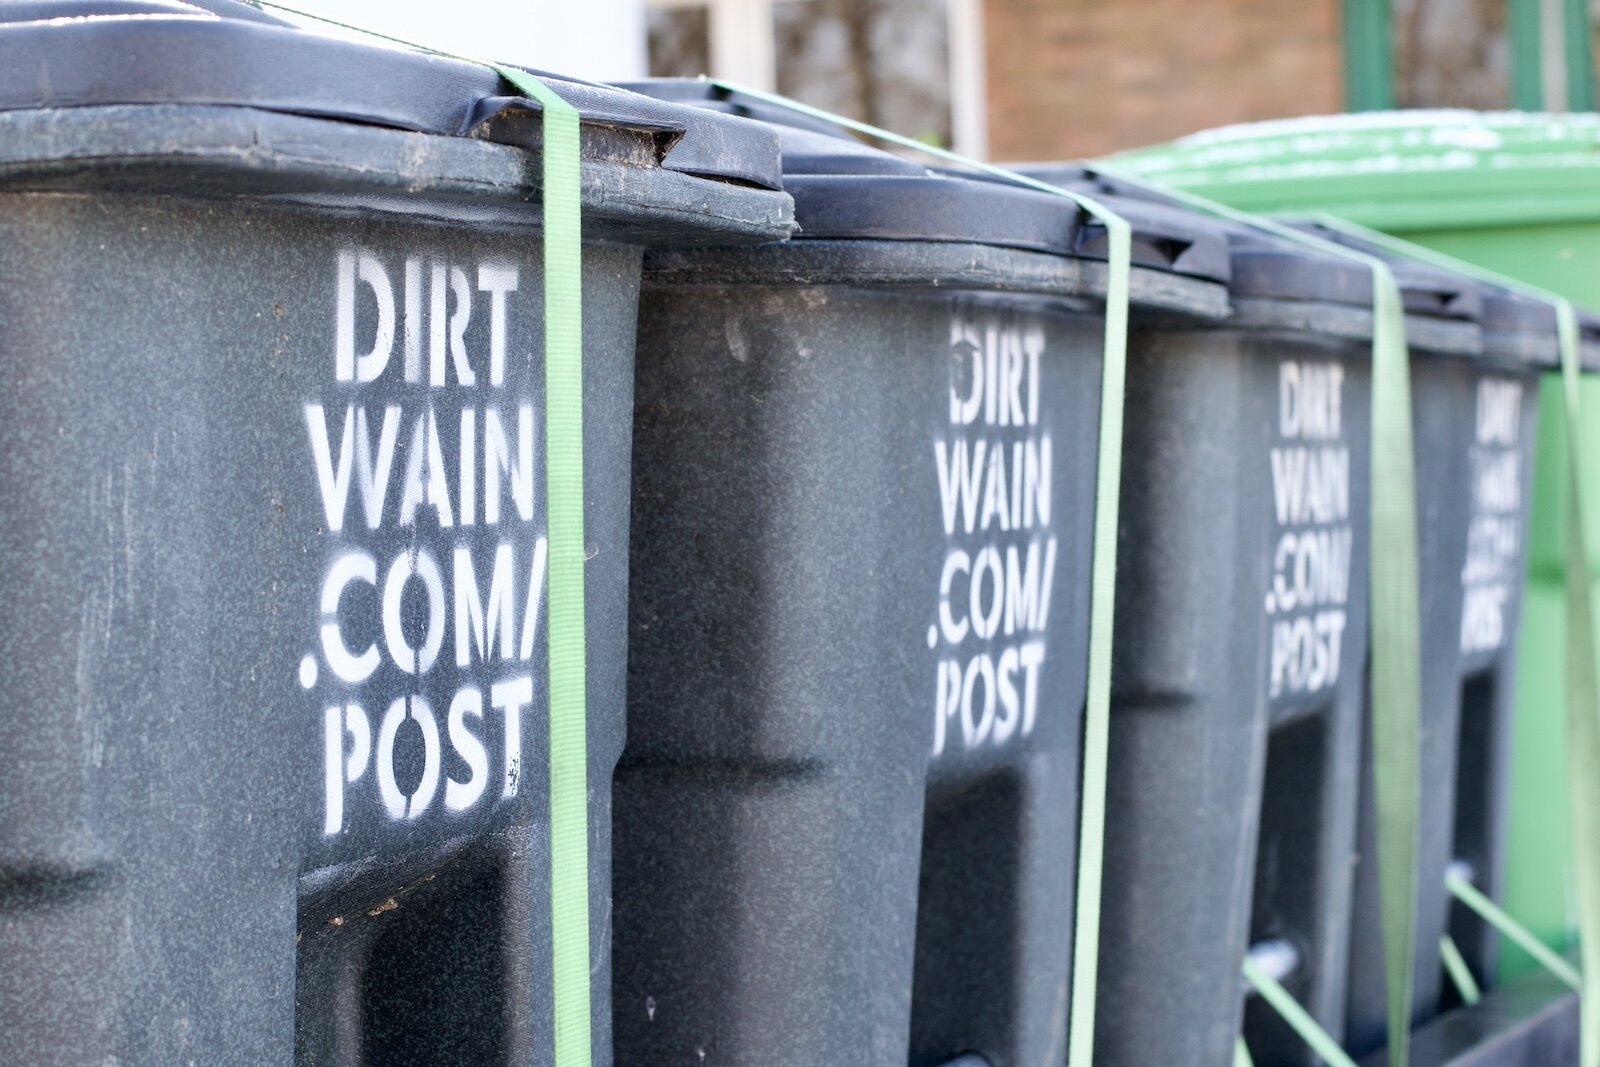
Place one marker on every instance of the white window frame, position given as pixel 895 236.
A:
pixel 743 50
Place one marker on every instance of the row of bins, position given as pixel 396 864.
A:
pixel 840 865
pixel 276 775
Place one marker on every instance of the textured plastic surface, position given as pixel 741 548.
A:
pixel 1214 651
pixel 1530 1021
pixel 847 808
pixel 274 779
pixel 799 761
pixel 1514 193
pixel 1219 716
pixel 1475 424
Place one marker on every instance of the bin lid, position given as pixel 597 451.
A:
pixel 845 189
pixel 1395 170
pixel 1519 328
pixel 1261 265
pixel 1266 266
pixel 1509 312
pixel 1424 289
pixel 84 53
pixel 1589 339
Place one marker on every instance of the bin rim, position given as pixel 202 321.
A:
pixel 1398 171
pixel 58 54
pixel 847 190
pixel 1270 267
pixel 282 161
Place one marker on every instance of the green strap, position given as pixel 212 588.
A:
pixel 1102 611
pixel 1299 1020
pixel 1460 974
pixel 563 350
pixel 1583 700
pixel 1396 711
pixel 1241 1054
pixel 1102 595
pixel 1396 704
pixel 1487 910
pixel 563 398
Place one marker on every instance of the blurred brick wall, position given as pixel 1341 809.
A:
pixel 1084 77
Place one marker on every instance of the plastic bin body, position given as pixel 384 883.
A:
pixel 1199 772
pixel 1232 429
pixel 266 798
pixel 1514 193
pixel 1301 875
pixel 831 847
pixel 1474 421
pixel 1473 536
pixel 1315 889
pixel 771 805
pixel 1505 435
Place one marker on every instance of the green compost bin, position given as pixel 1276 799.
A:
pixel 1519 193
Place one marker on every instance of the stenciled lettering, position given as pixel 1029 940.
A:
pixel 993 464
pixel 1309 580
pixel 456 451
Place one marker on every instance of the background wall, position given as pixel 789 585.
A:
pixel 1084 77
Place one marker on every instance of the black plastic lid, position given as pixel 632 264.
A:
pixel 1589 339
pixel 1262 266
pixel 698 92
pixel 84 53
pixel 846 190
pixel 1507 312
pixel 1267 266
pixel 1425 289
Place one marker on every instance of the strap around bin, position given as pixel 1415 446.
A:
pixel 1486 910
pixel 569 755
pixel 1395 678
pixel 1460 974
pixel 1583 681
pixel 1299 1020
pixel 568 654
pixel 1102 590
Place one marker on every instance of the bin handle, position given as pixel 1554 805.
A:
pixel 492 115
pixel 1165 252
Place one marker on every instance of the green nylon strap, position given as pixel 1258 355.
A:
pixel 1460 974
pixel 1396 711
pixel 1241 1054
pixel 563 350
pixel 1583 700
pixel 1492 914
pixel 563 398
pixel 1299 1020
pixel 1396 704
pixel 1583 684
pixel 1102 592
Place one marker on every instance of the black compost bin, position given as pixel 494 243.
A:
pixel 1314 869
pixel 1241 623
pixel 863 492
pixel 274 523
pixel 1476 425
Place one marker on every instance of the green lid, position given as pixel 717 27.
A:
pixel 1394 170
